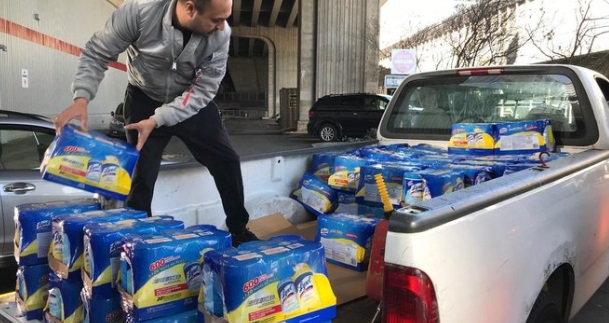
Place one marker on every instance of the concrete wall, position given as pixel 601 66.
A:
pixel 249 74
pixel 346 55
pixel 282 46
pixel 338 49
pixel 43 38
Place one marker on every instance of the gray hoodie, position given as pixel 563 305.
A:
pixel 186 80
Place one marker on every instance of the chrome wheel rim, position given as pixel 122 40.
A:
pixel 327 134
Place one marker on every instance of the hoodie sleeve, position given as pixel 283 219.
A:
pixel 120 31
pixel 200 93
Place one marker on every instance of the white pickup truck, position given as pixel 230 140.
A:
pixel 531 246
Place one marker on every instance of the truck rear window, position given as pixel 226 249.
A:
pixel 431 106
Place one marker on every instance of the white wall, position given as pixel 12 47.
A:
pixel 50 70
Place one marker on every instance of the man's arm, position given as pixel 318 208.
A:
pixel 119 32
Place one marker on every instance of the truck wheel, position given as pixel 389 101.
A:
pixel 328 133
pixel 545 310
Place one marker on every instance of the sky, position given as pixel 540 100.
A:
pixel 400 18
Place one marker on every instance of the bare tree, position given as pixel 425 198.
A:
pixel 484 34
pixel 588 29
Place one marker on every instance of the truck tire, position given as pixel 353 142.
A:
pixel 545 310
pixel 328 133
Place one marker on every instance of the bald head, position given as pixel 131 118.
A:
pixel 199 4
pixel 203 16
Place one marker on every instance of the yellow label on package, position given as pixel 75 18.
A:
pixel 90 161
pixel 472 138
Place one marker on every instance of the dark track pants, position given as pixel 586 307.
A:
pixel 206 138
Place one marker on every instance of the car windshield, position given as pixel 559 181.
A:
pixel 433 105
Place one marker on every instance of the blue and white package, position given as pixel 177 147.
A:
pixel 33 233
pixel 496 168
pixel 91 161
pixel 101 310
pixel 346 172
pixel 473 138
pixel 393 176
pixel 66 250
pixel 415 189
pixel 346 203
pixel 315 195
pixel 103 242
pixel 64 303
pixel 184 317
pixel 388 153
pixel 32 290
pixel 283 279
pixel 524 137
pixel 438 181
pixel 346 239
pixel 473 175
pixel 323 165
pixel 161 274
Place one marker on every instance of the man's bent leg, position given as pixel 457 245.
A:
pixel 207 139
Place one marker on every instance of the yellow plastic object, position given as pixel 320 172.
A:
pixel 380 184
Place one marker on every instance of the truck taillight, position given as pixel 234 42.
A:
pixel 408 296
pixel 311 114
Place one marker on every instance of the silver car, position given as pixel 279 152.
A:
pixel 23 141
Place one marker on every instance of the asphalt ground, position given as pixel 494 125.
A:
pixel 251 138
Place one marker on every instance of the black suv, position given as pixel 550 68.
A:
pixel 336 116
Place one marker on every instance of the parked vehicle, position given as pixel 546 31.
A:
pixel 23 140
pixel 336 116
pixel 117 123
pixel 531 246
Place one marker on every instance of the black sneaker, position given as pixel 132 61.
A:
pixel 244 236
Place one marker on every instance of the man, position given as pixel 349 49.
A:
pixel 177 53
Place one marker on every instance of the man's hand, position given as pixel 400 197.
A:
pixel 144 128
pixel 77 110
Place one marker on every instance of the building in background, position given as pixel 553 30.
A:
pixel 494 32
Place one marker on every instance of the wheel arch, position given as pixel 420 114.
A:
pixel 560 284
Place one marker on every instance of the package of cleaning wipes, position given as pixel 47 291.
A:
pixel 346 239
pixel 33 227
pixel 161 274
pixel 392 176
pixel 472 138
pixel 32 290
pixel 315 195
pixel 282 279
pixel 66 250
pixel 91 161
pixel 100 310
pixel 524 137
pixel 64 303
pixel 102 246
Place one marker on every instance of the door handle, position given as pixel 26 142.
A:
pixel 354 113
pixel 19 188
